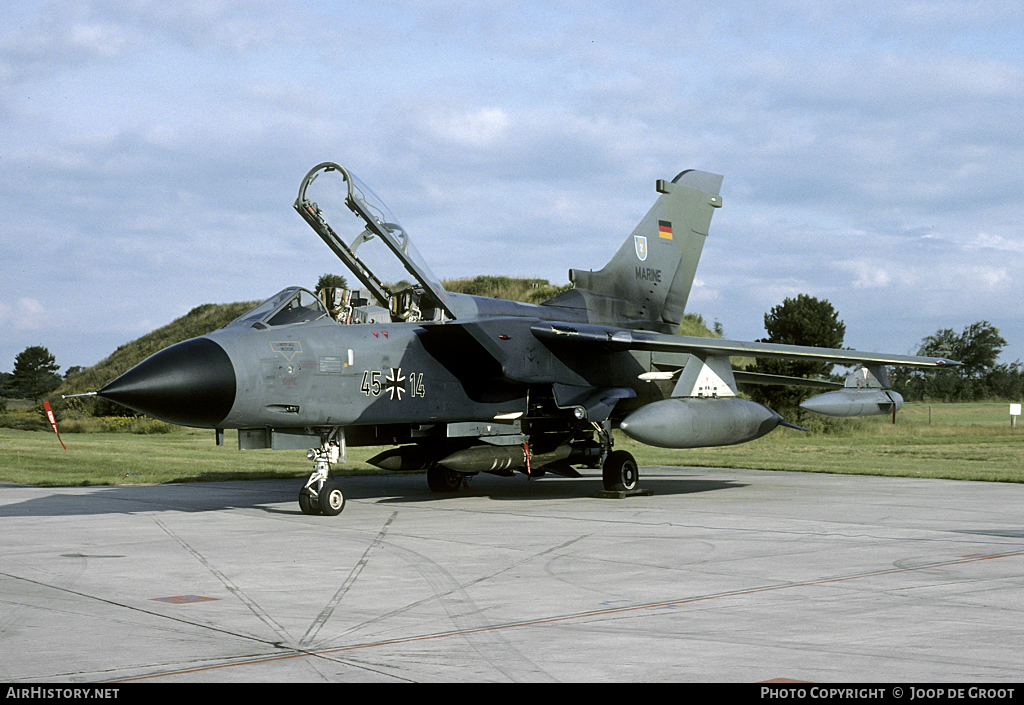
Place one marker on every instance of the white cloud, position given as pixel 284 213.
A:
pixel 479 129
pixel 26 314
pixel 867 274
pixel 101 40
pixel 701 293
pixel 985 241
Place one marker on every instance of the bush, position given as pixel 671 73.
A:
pixel 133 424
pixel 77 426
pixel 24 421
pixel 30 421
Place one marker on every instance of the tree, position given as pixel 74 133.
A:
pixel 977 348
pixel 1006 381
pixel 326 280
pixel 35 373
pixel 801 321
pixel 977 378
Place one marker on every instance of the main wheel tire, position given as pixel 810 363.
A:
pixel 441 479
pixel 621 473
pixel 332 499
pixel 308 503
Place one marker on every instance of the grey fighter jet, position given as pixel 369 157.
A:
pixel 459 385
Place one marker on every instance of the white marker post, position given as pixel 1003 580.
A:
pixel 1014 413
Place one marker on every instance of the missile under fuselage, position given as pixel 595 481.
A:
pixel 695 422
pixel 478 458
pixel 402 458
pixel 497 458
pixel 854 402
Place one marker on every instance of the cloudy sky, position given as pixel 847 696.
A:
pixel 150 152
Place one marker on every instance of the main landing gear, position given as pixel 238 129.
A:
pixel 322 494
pixel 620 472
pixel 441 479
pixel 619 469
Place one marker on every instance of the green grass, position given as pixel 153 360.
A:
pixel 963 442
pixel 186 455
pixel 531 291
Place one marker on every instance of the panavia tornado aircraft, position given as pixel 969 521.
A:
pixel 458 385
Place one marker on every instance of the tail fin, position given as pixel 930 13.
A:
pixel 647 282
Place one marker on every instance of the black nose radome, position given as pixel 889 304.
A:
pixel 191 383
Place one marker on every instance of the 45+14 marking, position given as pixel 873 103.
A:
pixel 394 385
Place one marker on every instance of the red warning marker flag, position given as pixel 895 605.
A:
pixel 53 422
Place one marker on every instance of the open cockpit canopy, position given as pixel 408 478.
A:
pixel 369 243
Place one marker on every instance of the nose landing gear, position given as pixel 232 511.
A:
pixel 322 494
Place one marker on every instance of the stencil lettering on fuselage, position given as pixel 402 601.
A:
pixel 287 348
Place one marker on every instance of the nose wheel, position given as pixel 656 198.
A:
pixel 309 502
pixel 322 494
pixel 332 499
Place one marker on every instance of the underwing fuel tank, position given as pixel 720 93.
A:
pixel 854 402
pixel 695 422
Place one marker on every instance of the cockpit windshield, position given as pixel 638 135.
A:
pixel 373 245
pixel 292 305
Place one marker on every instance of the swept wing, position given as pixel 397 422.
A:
pixel 613 338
